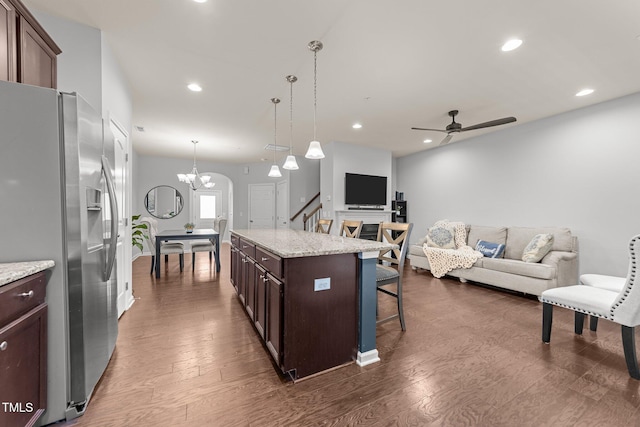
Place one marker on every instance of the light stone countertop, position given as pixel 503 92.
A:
pixel 288 243
pixel 12 271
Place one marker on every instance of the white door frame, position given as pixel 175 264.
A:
pixel 125 267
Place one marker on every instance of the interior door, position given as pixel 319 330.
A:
pixel 207 207
pixel 282 205
pixel 262 211
pixel 120 181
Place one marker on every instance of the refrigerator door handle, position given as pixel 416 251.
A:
pixel 113 202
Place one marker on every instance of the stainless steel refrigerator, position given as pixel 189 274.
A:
pixel 58 202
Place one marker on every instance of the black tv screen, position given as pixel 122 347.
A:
pixel 365 189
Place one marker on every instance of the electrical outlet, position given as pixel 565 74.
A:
pixel 323 284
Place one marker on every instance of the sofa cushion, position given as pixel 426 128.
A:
pixel 537 248
pixel 519 237
pixel 490 249
pixel 442 235
pixel 536 270
pixel 416 250
pixel 488 234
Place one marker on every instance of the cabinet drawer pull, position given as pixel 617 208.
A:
pixel 3 346
pixel 264 258
pixel 26 294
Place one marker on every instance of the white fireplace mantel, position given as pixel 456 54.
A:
pixel 365 215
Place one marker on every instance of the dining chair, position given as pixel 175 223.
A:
pixel 324 226
pixel 166 248
pixel 351 228
pixel 621 307
pixel 398 234
pixel 219 225
pixel 611 283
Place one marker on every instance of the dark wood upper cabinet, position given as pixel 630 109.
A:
pixel 27 53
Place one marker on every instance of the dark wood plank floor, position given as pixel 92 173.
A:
pixel 471 356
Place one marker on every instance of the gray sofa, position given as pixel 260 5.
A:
pixel 558 268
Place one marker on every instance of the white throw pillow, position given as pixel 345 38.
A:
pixel 537 248
pixel 442 235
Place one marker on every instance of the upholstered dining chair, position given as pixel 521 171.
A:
pixel 166 248
pixel 621 307
pixel 324 226
pixel 350 228
pixel 219 225
pixel 396 233
pixel 611 283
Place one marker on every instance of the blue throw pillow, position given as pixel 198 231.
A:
pixel 490 250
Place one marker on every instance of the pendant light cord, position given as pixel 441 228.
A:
pixel 275 130
pixel 291 118
pixel 315 98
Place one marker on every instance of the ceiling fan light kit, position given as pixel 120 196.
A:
pixel 455 127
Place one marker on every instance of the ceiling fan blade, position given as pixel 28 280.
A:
pixel 434 130
pixel 497 122
pixel 446 139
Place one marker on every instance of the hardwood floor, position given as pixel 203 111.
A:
pixel 471 356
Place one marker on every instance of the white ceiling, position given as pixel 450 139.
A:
pixel 389 65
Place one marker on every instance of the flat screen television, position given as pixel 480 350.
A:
pixel 369 190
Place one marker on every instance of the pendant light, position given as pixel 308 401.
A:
pixel 290 163
pixel 275 170
pixel 315 150
pixel 193 178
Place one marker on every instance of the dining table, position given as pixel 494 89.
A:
pixel 196 234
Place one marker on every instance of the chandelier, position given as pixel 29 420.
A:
pixel 291 163
pixel 315 150
pixel 193 178
pixel 275 170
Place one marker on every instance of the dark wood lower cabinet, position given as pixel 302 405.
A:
pixel 23 351
pixel 274 288
pixel 304 308
pixel 250 297
pixel 260 317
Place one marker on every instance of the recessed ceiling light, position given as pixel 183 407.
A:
pixel 195 87
pixel 356 126
pixel 426 141
pixel 511 45
pixel 200 1
pixel 584 92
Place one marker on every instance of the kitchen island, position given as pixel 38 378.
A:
pixel 311 296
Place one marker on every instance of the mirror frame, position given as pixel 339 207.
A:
pixel 150 202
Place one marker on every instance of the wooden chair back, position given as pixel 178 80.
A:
pixel 395 233
pixel 351 228
pixel 324 226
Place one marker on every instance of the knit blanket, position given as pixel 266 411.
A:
pixel 443 260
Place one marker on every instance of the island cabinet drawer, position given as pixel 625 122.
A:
pixel 21 296
pixel 248 248
pixel 271 262
pixel 235 241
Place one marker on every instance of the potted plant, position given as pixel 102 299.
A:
pixel 189 227
pixel 137 235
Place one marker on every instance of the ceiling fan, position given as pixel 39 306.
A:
pixel 455 127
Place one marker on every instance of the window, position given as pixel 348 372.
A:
pixel 207 206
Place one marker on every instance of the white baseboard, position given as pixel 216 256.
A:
pixel 368 357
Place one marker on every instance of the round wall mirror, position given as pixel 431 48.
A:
pixel 163 202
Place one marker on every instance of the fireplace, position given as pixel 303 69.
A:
pixel 369 231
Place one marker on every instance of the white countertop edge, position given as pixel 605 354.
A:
pixel 12 271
